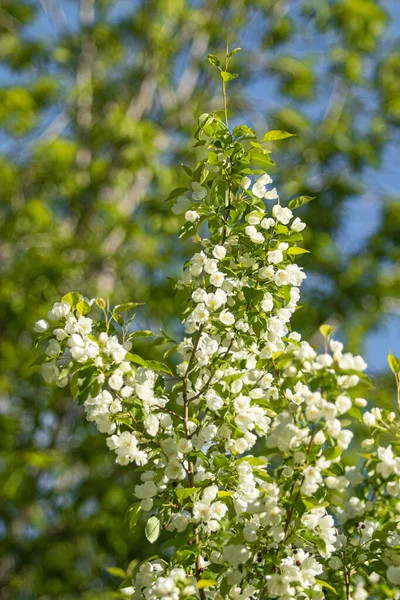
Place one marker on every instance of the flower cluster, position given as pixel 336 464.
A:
pixel 239 443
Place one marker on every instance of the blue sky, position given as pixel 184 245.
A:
pixel 362 213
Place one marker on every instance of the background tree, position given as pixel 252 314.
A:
pixel 96 104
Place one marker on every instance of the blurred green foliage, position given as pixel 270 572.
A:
pixel 96 111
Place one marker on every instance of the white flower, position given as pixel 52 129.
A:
pixel 60 334
pixel 267 303
pixel 41 326
pixel 218 510
pixel 175 470
pixel 50 372
pixel 59 311
pixel 275 257
pixel 267 223
pixel 393 487
pixel 200 313
pixel 179 523
pixel 349 362
pixel 369 419
pixel 254 235
pixel 217 279
pixel 235 555
pixel 278 586
pixel 393 574
pixel 258 188
pixel 199 295
pixel 126 448
pixel 191 216
pixel 344 439
pixel 211 265
pixel 295 274
pixel 219 252
pixel 297 225
pixel 84 325
pixel 213 401
pixel 254 217
pixel 360 402
pixel 151 424
pixel 199 192
pixel 147 504
pixel 53 348
pixel 388 462
pixel 266 273
pixel 245 183
pixel 271 194
pixel 226 317
pixel 148 489
pixel 181 205
pixel 216 299
pixel 116 381
pixel 282 277
pixel 283 215
pixel 319 438
pixel 343 404
pixel 184 446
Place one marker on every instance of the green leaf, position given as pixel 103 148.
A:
pixel 39 360
pixel 118 318
pixel 184 493
pixel 225 494
pixel 262 474
pixel 189 229
pixel 205 583
pixel 182 298
pixel 254 461
pixel 83 308
pixel 327 330
pixel 187 170
pixel 180 191
pixel 324 583
pixel 170 351
pixel 233 52
pixel 116 571
pixel 312 503
pixel 257 145
pixel 101 303
pixel 332 453
pixel 394 363
pixel 127 306
pixel 220 461
pixel 141 333
pixel 225 587
pixel 300 201
pixel 72 298
pixel 264 159
pixel 356 413
pixel 214 60
pixel 243 131
pixel 135 358
pixel 295 250
pixel 159 366
pixel 152 529
pixel 228 76
pixel 276 134
pixel 134 514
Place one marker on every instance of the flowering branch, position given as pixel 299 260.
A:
pixel 240 443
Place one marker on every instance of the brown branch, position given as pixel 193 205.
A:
pixel 191 359
pixel 347 583
pixel 170 412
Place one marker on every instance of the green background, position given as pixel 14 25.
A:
pixel 98 103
